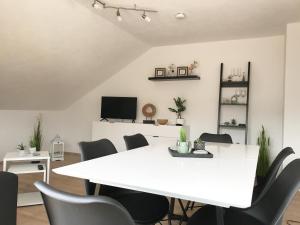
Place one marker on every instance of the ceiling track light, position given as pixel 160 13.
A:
pixel 119 17
pixel 99 4
pixel 146 18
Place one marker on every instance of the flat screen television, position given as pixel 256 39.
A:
pixel 118 107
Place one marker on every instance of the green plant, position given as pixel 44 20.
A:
pixel 21 147
pixel 182 135
pixel 264 147
pixel 179 105
pixel 36 140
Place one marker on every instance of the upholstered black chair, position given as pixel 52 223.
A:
pixel 219 138
pixel 68 209
pixel 269 210
pixel 135 141
pixel 143 207
pixel 270 177
pixel 8 198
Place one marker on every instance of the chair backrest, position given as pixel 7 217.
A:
pixel 271 207
pixel 272 172
pixel 8 198
pixel 68 209
pixel 135 141
pixel 93 150
pixel 219 138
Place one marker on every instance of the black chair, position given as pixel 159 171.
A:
pixel 143 207
pixel 270 177
pixel 219 138
pixel 269 210
pixel 68 209
pixel 8 198
pixel 135 141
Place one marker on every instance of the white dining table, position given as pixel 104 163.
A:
pixel 226 180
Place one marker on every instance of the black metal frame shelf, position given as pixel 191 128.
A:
pixel 234 84
pixel 174 78
pixel 230 84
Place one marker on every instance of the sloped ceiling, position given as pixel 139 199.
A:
pixel 206 20
pixel 54 51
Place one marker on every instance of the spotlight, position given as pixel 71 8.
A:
pixel 119 17
pixel 97 5
pixel 146 18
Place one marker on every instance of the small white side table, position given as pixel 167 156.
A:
pixel 21 164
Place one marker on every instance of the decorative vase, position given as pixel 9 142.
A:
pixel 180 122
pixel 32 150
pixel 183 147
pixel 21 152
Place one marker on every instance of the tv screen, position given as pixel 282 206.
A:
pixel 118 108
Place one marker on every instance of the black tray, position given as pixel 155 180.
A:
pixel 174 153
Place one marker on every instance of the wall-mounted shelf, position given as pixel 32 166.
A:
pixel 174 78
pixel 232 126
pixel 230 84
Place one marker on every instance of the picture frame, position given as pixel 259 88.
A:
pixel 160 72
pixel 182 71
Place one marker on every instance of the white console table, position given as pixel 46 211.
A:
pixel 15 163
pixel 116 130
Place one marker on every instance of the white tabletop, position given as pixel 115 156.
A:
pixel 15 156
pixel 226 180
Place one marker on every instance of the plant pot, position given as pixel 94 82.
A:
pixel 21 152
pixel 183 147
pixel 32 150
pixel 179 122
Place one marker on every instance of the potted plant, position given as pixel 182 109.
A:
pixel 32 145
pixel 37 134
pixel 21 148
pixel 183 143
pixel 180 107
pixel 263 160
pixel 199 144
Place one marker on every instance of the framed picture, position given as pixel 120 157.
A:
pixel 182 71
pixel 160 72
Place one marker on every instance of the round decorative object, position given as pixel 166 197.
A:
pixel 162 121
pixel 149 110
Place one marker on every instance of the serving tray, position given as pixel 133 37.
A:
pixel 174 153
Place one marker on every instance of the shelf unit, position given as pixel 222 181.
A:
pixel 174 78
pixel 234 84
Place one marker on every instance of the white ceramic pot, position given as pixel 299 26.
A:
pixel 180 121
pixel 183 147
pixel 21 152
pixel 32 150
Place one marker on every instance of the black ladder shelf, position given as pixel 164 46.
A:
pixel 234 84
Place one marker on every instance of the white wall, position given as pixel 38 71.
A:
pixel 17 127
pixel 292 91
pixel 266 98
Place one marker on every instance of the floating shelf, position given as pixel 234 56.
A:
pixel 229 84
pixel 238 104
pixel 232 126
pixel 173 78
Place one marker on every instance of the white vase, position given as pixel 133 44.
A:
pixel 21 152
pixel 32 150
pixel 180 122
pixel 183 147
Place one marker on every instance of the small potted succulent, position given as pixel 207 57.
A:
pixel 21 148
pixel 183 145
pixel 180 107
pixel 199 144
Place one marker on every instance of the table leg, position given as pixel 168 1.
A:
pixel 4 165
pixel 48 170
pixel 97 190
pixel 220 215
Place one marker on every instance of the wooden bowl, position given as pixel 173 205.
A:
pixel 162 121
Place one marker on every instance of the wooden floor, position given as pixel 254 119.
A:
pixel 36 215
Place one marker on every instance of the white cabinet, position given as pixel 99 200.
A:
pixel 115 132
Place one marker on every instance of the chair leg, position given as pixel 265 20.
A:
pixel 192 206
